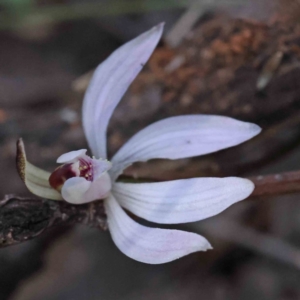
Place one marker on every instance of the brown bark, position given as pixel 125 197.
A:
pixel 22 219
pixel 276 184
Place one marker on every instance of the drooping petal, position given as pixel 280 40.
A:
pixel 35 179
pixel 181 137
pixel 182 201
pixel 71 156
pixel 109 83
pixel 78 190
pixel 149 245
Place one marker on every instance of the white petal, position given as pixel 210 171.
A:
pixel 74 189
pixel 149 245
pixel 77 190
pixel 182 136
pixel 184 200
pixel 70 156
pixel 99 188
pixel 109 83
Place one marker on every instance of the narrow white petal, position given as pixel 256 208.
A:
pixel 149 245
pixel 184 200
pixel 77 190
pixel 109 83
pixel 70 156
pixel 182 136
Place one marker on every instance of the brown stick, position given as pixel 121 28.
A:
pixel 22 219
pixel 276 184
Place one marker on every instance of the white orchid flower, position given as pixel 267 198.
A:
pixel 82 179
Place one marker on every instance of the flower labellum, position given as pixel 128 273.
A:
pixel 81 179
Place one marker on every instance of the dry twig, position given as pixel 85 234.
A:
pixel 254 240
pixel 22 219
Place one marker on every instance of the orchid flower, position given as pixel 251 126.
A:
pixel 81 179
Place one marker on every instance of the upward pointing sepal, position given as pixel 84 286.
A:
pixel 35 179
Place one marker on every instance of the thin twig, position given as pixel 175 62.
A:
pixel 276 184
pixel 184 25
pixel 250 238
pixel 22 219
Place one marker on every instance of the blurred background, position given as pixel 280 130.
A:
pixel 236 58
